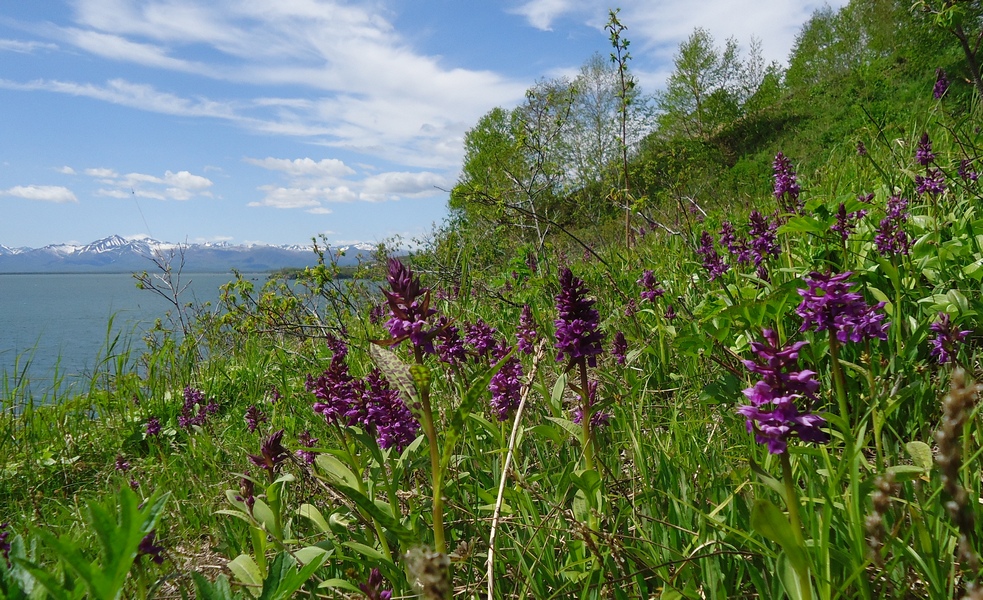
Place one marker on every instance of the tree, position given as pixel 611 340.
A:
pixel 963 19
pixel 703 92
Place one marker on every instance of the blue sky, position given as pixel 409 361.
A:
pixel 273 121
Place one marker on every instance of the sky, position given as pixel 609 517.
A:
pixel 274 121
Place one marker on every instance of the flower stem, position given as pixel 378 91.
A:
pixel 792 502
pixel 585 418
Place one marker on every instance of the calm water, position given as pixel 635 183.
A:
pixel 63 319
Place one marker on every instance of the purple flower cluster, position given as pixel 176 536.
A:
pixel 828 304
pixel 846 222
pixel 153 427
pixel 966 171
pixel 450 346
pixel 526 334
pixel 781 401
pixel 861 148
pixel 306 441
pixel 373 587
pixel 786 188
pixel 670 313
pixel 619 347
pixel 345 401
pixel 4 544
pixel 923 153
pixel 505 386
pixel 147 547
pixel 941 84
pixel 254 416
pixel 121 465
pixel 734 243
pixel 481 337
pixel 598 418
pixel 275 395
pixel 271 454
pixel 577 335
pixel 712 262
pixel 409 305
pixel 194 411
pixel 947 341
pixel 653 290
pixel 891 237
pixel 933 182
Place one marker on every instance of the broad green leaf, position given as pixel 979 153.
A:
pixel 921 454
pixel 398 373
pixel 246 571
pixel 366 551
pixel 314 515
pixel 572 428
pixel 772 523
pixel 206 590
pixel 337 471
pixel 309 554
pixel 340 584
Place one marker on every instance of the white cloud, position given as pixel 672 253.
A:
pixel 542 13
pixel 326 167
pixel 395 185
pixel 43 193
pixel 66 170
pixel 320 210
pixel 182 185
pixel 25 47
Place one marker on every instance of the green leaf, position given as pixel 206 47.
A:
pixel 314 515
pixel 921 454
pixel 246 570
pixel 264 516
pixel 337 471
pixel 572 428
pixel 366 551
pixel 772 523
pixel 206 590
pixel 309 554
pixel 398 373
pixel 384 517
pixel 340 584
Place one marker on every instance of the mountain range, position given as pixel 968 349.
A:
pixel 116 254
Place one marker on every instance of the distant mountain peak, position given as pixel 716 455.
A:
pixel 118 254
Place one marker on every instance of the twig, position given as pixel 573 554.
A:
pixel 526 388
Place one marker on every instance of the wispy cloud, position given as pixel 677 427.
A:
pixel 304 167
pixel 42 193
pixel 65 170
pixel 23 47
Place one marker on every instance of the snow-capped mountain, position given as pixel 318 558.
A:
pixel 117 254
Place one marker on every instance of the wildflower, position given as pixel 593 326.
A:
pixel 712 262
pixel 763 235
pixel 306 441
pixel 786 188
pixel 846 222
pixel 450 347
pixel 631 307
pixel 526 334
pixel 272 454
pixel 481 337
pixel 861 148
pixel 946 343
pixel 735 245
pixel 577 336
pixel 865 198
pixel 246 489
pixel 194 411
pixel 254 417
pixel 121 465
pixel 781 402
pixel 148 548
pixel 619 347
pixel 133 483
pixel 4 544
pixel 409 304
pixel 275 395
pixel 598 418
pixel 966 171
pixel 941 84
pixel 923 154
pixel 932 183
pixel 376 313
pixel 652 288
pixel 670 313
pixel 335 392
pixel 828 304
pixel 891 237
pixel 505 386
pixel 387 414
pixel 153 427
pixel 373 587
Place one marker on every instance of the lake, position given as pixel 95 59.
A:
pixel 61 320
